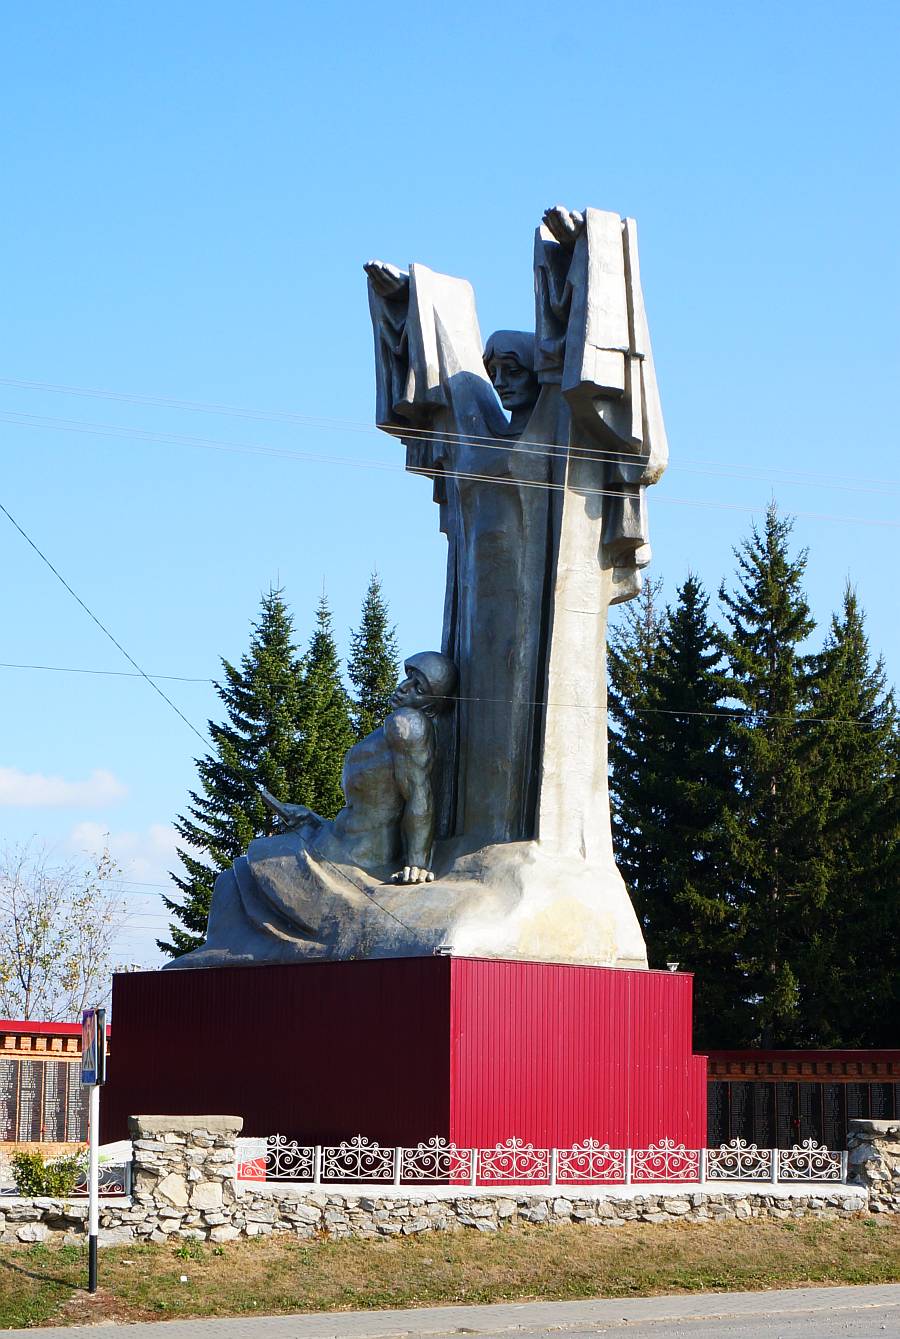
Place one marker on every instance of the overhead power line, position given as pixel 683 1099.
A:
pixel 102 626
pixel 116 674
pixel 355 425
pixel 723 713
pixel 136 884
pixel 239 448
pixel 109 430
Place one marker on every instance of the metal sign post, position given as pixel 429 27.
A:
pixel 93 1073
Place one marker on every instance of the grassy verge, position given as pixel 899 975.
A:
pixel 42 1284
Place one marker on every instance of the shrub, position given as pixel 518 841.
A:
pixel 34 1176
pixel 28 1170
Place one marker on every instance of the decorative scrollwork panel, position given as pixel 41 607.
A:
pixel 590 1161
pixel 357 1159
pixel 739 1161
pixel 808 1161
pixel 665 1161
pixel 436 1160
pixel 112 1179
pixel 514 1161
pixel 286 1160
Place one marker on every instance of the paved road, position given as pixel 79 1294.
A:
pixel 802 1313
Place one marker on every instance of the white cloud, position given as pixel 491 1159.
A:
pixel 145 856
pixel 35 790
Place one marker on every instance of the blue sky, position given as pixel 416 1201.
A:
pixel 189 194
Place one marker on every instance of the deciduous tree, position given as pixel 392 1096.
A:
pixel 57 926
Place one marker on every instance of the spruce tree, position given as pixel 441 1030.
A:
pixel 775 828
pixel 256 744
pixel 851 991
pixel 672 785
pixel 681 803
pixel 374 662
pixel 633 646
pixel 325 730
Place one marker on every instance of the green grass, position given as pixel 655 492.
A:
pixel 43 1284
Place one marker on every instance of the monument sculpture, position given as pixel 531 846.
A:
pixel 477 817
pixel 460 924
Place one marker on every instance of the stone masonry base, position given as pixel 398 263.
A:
pixel 262 1210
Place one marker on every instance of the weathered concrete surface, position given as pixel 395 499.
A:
pixel 148 1127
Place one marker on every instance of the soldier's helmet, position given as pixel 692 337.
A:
pixel 440 674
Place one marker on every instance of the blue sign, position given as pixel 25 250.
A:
pixel 93 1046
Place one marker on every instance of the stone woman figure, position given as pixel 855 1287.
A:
pixel 544 515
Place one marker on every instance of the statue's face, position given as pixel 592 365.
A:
pixel 414 691
pixel 515 385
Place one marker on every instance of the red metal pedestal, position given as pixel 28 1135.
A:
pixel 474 1050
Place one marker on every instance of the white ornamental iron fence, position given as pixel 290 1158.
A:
pixel 515 1162
pixel 114 1179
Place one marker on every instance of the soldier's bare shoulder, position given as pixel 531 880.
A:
pixel 407 728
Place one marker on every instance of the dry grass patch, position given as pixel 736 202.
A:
pixel 279 1274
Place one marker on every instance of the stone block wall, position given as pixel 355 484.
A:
pixel 400 1213
pixel 874 1162
pixel 30 1220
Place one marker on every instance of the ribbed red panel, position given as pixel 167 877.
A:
pixel 403 1049
pixel 699 1096
pixel 554 1054
pixel 319 1052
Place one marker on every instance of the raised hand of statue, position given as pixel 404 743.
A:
pixel 414 874
pixel 387 280
pixel 566 225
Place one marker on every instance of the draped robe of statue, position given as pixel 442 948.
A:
pixel 544 532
